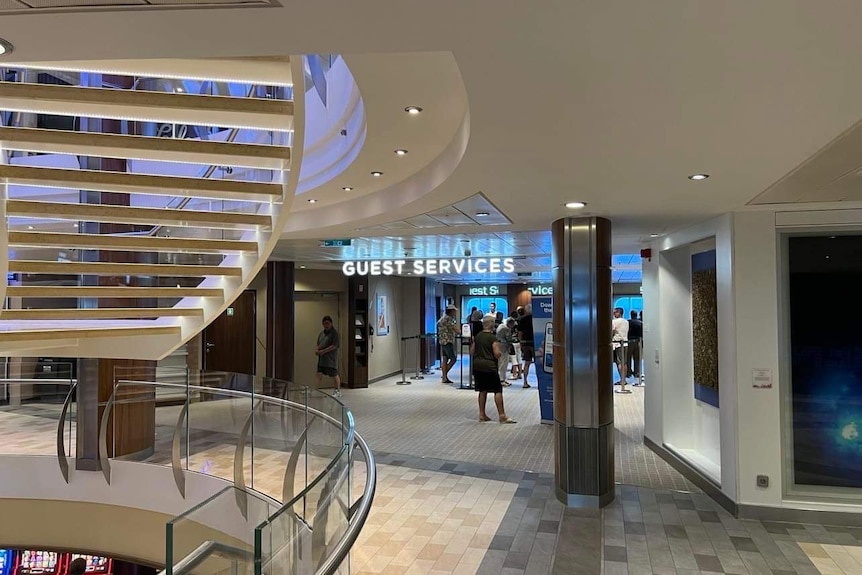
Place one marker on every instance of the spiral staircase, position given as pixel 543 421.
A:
pixel 137 206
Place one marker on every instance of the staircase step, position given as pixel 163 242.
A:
pixel 19 334
pixel 145 148
pixel 117 269
pixel 129 215
pixel 169 107
pixel 111 291
pixel 127 243
pixel 141 183
pixel 101 313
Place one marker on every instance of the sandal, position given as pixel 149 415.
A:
pixel 527 386
pixel 508 420
pixel 486 418
pixel 447 381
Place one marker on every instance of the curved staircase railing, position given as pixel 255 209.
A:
pixel 289 454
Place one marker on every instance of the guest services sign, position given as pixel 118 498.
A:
pixel 429 267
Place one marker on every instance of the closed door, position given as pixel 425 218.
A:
pixel 310 310
pixel 229 340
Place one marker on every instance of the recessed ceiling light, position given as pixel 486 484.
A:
pixel 29 227
pixel 698 177
pixel 312 201
pixel 347 189
pixel 302 267
pixel 400 152
pixel 654 235
pixel 482 214
pixel 575 205
pixel 376 174
pixel 413 110
pixel 6 47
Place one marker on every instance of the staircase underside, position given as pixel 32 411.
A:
pixel 122 241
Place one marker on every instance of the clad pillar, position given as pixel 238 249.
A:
pixel 280 319
pixel 583 390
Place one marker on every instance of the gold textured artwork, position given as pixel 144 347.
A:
pixel 704 315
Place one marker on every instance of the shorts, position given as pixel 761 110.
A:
pixel 620 354
pixel 447 350
pixel 327 371
pixel 527 352
pixel 517 351
pixel 487 381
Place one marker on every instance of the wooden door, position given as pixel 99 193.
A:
pixel 229 341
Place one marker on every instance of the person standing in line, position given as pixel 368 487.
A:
pixel 515 349
pixel 476 321
pixel 635 337
pixel 525 336
pixel 326 351
pixel 447 330
pixel 485 351
pixel 619 340
pixel 504 338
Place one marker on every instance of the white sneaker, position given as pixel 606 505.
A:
pixel 337 393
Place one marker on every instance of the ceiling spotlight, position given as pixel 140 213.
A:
pixel 400 152
pixel 413 110
pixel 575 205
pixel 698 177
pixel 376 174
pixel 482 214
pixel 347 189
pixel 6 47
pixel 312 201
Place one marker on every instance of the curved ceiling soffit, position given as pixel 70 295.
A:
pixel 393 197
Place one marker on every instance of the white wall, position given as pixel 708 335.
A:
pixel 404 311
pixel 672 414
pixel 756 292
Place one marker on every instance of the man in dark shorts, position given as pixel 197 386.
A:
pixel 327 354
pixel 447 330
pixel 526 337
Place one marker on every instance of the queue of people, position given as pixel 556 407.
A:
pixel 511 351
pixel 627 342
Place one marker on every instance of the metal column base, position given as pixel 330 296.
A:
pixel 585 465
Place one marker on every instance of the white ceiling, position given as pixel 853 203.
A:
pixel 609 102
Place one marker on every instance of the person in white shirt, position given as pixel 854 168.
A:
pixel 619 340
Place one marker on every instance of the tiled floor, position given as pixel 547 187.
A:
pixel 459 496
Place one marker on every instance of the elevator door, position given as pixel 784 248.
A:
pixel 310 309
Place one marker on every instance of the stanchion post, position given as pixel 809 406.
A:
pixel 404 380
pixel 417 375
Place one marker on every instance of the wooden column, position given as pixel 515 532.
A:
pixel 517 295
pixel 280 320
pixel 131 430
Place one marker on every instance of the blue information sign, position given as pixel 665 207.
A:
pixel 543 311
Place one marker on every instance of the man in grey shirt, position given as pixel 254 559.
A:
pixel 327 354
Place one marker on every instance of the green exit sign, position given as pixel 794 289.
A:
pixel 337 243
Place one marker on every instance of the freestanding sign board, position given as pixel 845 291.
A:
pixel 543 337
